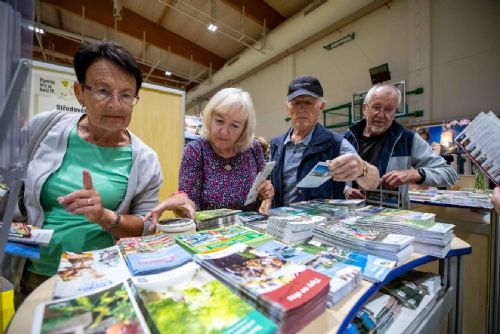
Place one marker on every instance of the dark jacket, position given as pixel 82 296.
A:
pixel 405 149
pixel 324 145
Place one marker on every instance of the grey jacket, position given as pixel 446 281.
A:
pixel 144 181
pixel 404 150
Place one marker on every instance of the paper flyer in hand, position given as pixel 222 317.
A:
pixel 261 177
pixel 316 177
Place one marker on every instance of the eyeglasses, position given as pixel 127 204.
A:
pixel 378 108
pixel 101 93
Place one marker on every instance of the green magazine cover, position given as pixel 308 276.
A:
pixel 199 304
pixel 217 239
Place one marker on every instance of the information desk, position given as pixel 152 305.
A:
pixel 479 227
pixel 337 319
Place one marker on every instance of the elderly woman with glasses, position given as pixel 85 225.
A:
pixel 218 170
pixel 90 180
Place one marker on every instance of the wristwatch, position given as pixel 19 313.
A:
pixel 421 171
pixel 365 169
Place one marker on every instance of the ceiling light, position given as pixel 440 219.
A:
pixel 168 73
pixel 37 30
pixel 212 27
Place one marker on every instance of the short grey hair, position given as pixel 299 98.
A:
pixel 229 99
pixel 378 86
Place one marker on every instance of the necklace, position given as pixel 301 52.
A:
pixel 228 167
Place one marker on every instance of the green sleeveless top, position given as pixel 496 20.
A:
pixel 110 169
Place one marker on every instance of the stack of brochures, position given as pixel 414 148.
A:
pixel 209 219
pixel 346 233
pixel 398 304
pixel 190 300
pixel 254 220
pixel 344 277
pixel 322 208
pixel 289 293
pixel 292 229
pixel 218 239
pixel 431 238
pixel 152 254
pixel 25 240
pixel 368 210
pixel 373 268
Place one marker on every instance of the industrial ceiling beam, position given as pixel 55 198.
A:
pixel 64 50
pixel 258 11
pixel 135 25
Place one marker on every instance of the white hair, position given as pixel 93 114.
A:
pixel 378 86
pixel 226 100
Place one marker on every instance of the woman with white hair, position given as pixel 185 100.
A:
pixel 218 170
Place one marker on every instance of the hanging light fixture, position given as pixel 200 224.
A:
pixel 212 26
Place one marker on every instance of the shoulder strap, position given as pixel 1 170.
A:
pixel 42 131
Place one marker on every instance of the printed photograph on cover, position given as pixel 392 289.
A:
pixel 208 304
pixel 22 230
pixel 152 254
pixel 81 273
pixel 212 240
pixel 107 311
pixel 316 177
pixel 257 270
pixel 212 214
pixel 285 252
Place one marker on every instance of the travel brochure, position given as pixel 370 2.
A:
pixel 461 198
pixel 152 254
pixel 113 310
pixel 218 239
pixel 289 293
pixel 373 268
pixel 241 280
pixel 431 238
pixel 194 302
pixel 81 273
pixel 316 177
pixel 261 177
pixel 209 219
pixel 480 141
pixel 393 246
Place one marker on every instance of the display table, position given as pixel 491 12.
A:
pixel 338 318
pixel 479 227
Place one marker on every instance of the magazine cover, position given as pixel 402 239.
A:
pixel 199 303
pixel 285 252
pixel 268 276
pixel 21 230
pixel 107 311
pixel 152 254
pixel 81 273
pixel 373 268
pixel 217 239
pixel 344 278
pixel 406 215
pixel 37 236
pixel 214 214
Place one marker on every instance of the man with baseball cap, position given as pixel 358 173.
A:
pixel 306 143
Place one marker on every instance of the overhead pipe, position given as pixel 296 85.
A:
pixel 294 34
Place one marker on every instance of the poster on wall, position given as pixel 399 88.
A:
pixel 54 91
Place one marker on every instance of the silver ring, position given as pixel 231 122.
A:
pixel 89 201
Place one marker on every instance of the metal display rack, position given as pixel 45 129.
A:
pixel 16 18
